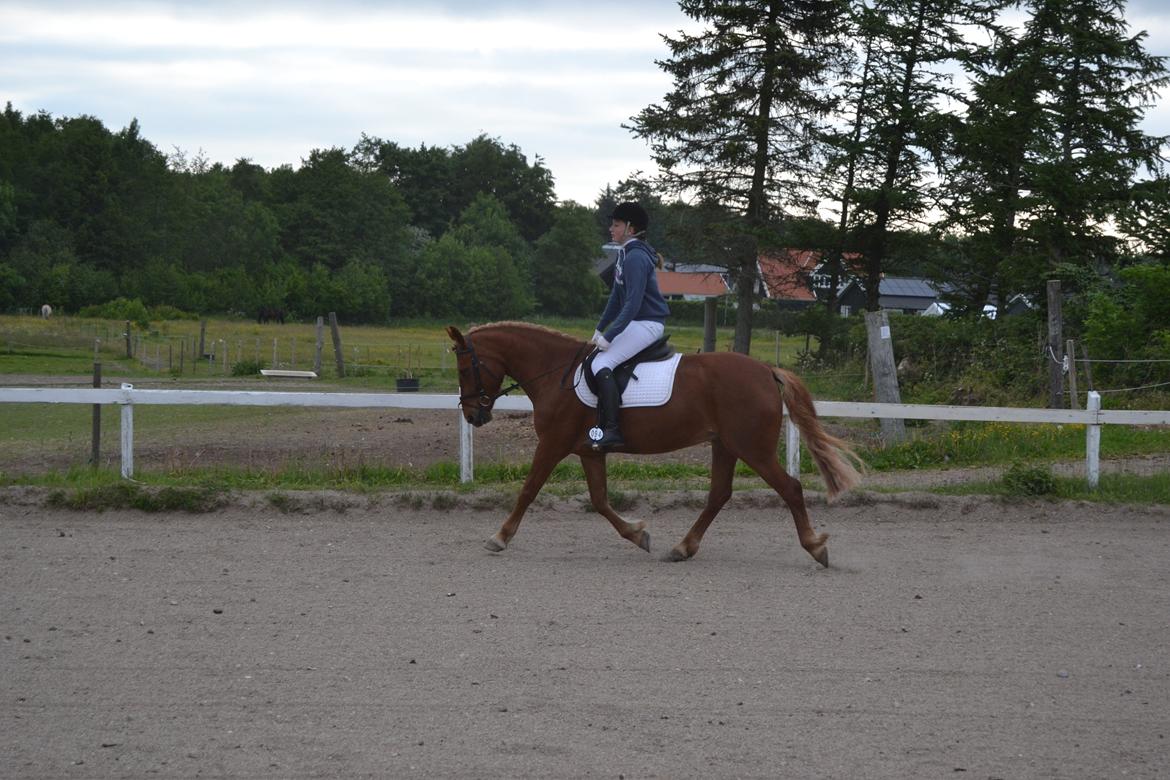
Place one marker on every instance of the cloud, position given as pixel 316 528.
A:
pixel 272 81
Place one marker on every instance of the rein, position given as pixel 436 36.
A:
pixel 487 399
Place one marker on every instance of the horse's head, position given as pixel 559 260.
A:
pixel 479 384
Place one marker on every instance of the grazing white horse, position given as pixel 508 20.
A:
pixel 46 311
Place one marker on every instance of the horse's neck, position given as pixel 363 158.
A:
pixel 533 356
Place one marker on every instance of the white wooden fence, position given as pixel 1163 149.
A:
pixel 128 397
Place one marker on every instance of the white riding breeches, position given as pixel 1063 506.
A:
pixel 638 335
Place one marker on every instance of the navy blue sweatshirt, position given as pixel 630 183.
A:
pixel 635 294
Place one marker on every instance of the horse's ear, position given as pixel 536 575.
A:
pixel 456 336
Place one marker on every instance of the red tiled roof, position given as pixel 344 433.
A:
pixel 675 283
pixel 786 273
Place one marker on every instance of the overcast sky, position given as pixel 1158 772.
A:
pixel 270 81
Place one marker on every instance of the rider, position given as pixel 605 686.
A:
pixel 634 317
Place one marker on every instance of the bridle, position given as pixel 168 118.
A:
pixel 486 399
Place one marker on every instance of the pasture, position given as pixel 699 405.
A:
pixel 953 637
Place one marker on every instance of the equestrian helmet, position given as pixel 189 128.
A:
pixel 632 214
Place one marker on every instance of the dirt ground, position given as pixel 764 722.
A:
pixel 375 637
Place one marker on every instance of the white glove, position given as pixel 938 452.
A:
pixel 601 342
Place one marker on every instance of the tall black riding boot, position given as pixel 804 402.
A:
pixel 608 401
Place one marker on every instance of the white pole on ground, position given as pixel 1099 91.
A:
pixel 127 435
pixel 466 458
pixel 1093 442
pixel 791 446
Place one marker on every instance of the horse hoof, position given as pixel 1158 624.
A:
pixel 492 545
pixel 644 542
pixel 822 556
pixel 676 556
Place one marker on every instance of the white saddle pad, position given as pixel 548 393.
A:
pixel 652 387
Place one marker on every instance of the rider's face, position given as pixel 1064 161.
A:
pixel 620 231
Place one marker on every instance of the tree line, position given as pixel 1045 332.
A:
pixel 988 155
pixel 923 137
pixel 374 232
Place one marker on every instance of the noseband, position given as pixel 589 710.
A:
pixel 485 398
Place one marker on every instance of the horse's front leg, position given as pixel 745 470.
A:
pixel 547 456
pixel 594 466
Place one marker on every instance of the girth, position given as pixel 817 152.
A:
pixel 659 350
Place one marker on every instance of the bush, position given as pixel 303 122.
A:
pixel 120 309
pixel 1024 480
pixel 247 368
pixel 167 312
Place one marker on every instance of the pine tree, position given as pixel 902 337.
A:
pixel 1050 151
pixel 737 129
pixel 902 110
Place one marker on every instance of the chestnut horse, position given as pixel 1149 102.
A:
pixel 728 399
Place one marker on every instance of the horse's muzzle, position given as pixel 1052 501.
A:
pixel 482 416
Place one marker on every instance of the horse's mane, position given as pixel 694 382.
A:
pixel 522 326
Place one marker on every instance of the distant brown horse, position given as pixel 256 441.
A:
pixel 728 399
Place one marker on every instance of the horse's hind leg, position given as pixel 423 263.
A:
pixel 594 466
pixel 722 473
pixel 791 491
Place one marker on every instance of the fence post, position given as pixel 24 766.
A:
pixel 466 446
pixel 1093 441
pixel 338 355
pixel 1055 347
pixel 710 316
pixel 1070 355
pixel 127 434
pixel 885 374
pixel 791 446
pixel 320 345
pixel 95 456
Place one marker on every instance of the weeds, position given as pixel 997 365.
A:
pixel 128 495
pixel 1024 480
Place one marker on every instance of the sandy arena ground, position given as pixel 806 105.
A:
pixel 375 637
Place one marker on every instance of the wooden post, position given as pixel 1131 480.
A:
pixel 129 352
pixel 320 346
pixel 1088 366
pixel 1055 347
pixel 95 452
pixel 885 374
pixel 338 355
pixel 202 335
pixel 777 346
pixel 274 363
pixel 1070 354
pixel 710 314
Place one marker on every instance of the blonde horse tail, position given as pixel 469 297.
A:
pixel 835 459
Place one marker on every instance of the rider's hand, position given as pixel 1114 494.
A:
pixel 600 341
